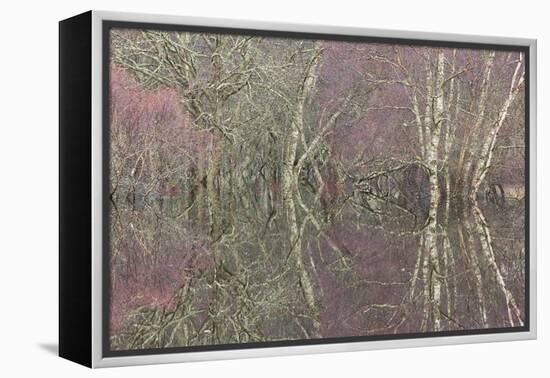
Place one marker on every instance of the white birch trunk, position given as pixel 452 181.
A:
pixel 480 169
pixel 289 186
pixel 466 158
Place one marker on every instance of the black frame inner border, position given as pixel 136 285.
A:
pixel 107 25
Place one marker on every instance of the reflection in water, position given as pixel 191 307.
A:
pixel 175 282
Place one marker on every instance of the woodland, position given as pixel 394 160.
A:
pixel 280 188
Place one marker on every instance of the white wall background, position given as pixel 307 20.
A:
pixel 29 174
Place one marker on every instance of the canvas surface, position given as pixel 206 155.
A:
pixel 273 189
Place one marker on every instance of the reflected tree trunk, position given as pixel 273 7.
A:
pixel 466 236
pixel 484 234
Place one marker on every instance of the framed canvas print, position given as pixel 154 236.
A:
pixel 235 189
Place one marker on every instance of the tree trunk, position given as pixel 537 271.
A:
pixel 289 186
pixel 466 157
pixel 435 111
pixel 212 191
pixel 481 166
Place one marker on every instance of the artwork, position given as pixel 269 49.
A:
pixel 279 188
pixel 235 189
